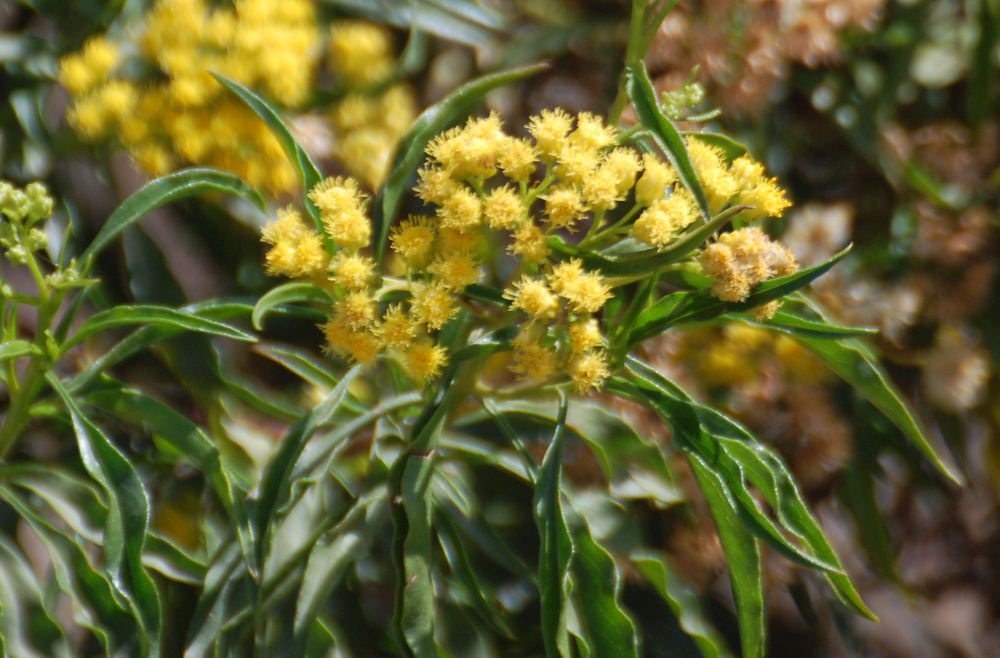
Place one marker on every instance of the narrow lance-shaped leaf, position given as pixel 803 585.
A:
pixel 156 193
pixel 128 519
pixel 742 551
pixel 853 361
pixel 684 603
pixel 643 95
pixel 555 547
pixel 294 291
pixel 608 628
pixel 411 147
pixel 156 316
pixel 274 481
pixel 700 305
pixel 309 173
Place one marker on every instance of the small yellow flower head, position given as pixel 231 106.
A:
pixel 81 72
pixel 354 111
pixel 517 159
pixel 343 340
pixel 335 195
pixel 710 164
pixel 729 282
pixel 530 243
pixel 662 220
pixel 433 305
pixel 462 210
pixel 600 190
pixel 360 52
pixel 549 130
pixel 397 329
pixel 153 158
pixel 456 269
pixel 504 208
pixel 435 185
pixel 767 311
pixel 296 249
pixel 413 240
pixel 533 297
pixel 766 199
pixel 584 334
pixel 450 239
pixel 564 206
pixel 352 271
pixel 621 165
pixel 89 118
pixel 532 362
pixel 118 97
pixel 588 371
pixel 341 205
pixel 743 258
pixel 656 177
pixel 424 360
pixel 586 291
pixel 357 309
pixel 576 164
pixel 592 133
pixel 746 171
pixel 470 151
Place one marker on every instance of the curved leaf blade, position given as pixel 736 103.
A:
pixel 640 90
pixel 287 293
pixel 309 173
pixel 160 317
pixel 163 190
pixel 127 521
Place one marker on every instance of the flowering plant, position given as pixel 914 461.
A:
pixel 486 426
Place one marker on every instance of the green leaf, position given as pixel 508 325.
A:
pixel 685 604
pixel 212 611
pixel 735 456
pixel 24 616
pixel 467 23
pixel 640 90
pixel 142 338
pixel 173 427
pixel 608 628
pixel 431 121
pixel 274 482
pixel 13 349
pixel 743 558
pixel 127 521
pixel 294 291
pixel 95 605
pixel 787 320
pixel 700 305
pixel 309 173
pixel 853 361
pixel 163 190
pixel 154 316
pixel 478 595
pixel 555 547
pixel 413 617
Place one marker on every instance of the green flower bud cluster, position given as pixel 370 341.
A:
pixel 676 103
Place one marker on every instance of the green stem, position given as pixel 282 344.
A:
pixel 610 232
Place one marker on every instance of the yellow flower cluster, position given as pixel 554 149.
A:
pixel 741 259
pixel 184 116
pixel 586 175
pixel 371 117
pixel 742 182
pixel 484 187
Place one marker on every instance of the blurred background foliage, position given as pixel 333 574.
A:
pixel 881 117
